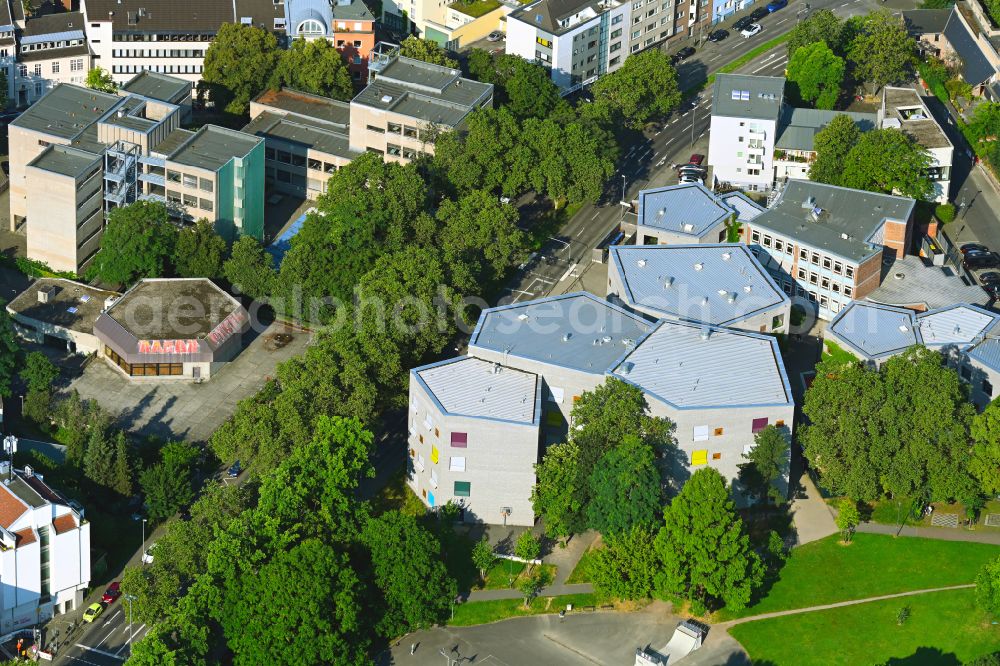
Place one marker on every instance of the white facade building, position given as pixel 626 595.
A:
pixel 745 112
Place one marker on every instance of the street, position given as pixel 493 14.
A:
pixel 105 641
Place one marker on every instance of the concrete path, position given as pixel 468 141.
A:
pixel 550 591
pixel 567 558
pixel 810 514
pixel 943 533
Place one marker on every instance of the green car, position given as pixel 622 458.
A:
pixel 92 612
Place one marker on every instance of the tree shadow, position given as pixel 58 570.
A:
pixel 925 656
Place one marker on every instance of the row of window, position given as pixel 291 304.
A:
pixel 158 53
pixel 159 69
pixel 189 200
pixel 985 385
pixel 401 151
pixel 701 433
pixel 146 37
pixel 823 282
pixel 42 46
pixel 815 258
pixel 189 180
pixel 75 65
pixel 144 369
pixel 462 489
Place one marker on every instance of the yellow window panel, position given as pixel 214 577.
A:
pixel 434 454
pixel 697 457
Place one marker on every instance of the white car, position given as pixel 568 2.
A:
pixel 751 30
pixel 147 557
pixel 495 36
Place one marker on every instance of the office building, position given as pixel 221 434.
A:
pixel 52 49
pixel 347 24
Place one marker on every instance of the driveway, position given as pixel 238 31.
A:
pixel 181 409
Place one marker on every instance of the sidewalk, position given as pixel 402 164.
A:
pixel 943 533
pixel 810 514
pixel 551 591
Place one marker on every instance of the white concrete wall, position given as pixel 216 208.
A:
pixel 520 38
pixel 716 234
pixel 724 145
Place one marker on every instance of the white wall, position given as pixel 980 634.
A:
pixel 724 145
pixel 520 38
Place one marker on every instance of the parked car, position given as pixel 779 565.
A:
pixel 112 593
pixel 981 260
pixel 234 470
pixel 742 23
pixel 759 13
pixel 993 289
pixel 973 247
pixel 147 557
pixel 93 612
pixel 718 35
pixel 494 36
pixel 684 53
pixel 751 30
pixel 697 158
pixel 687 180
pixel 775 5
pixel 990 277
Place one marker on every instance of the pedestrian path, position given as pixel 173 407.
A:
pixel 943 533
pixel 550 591
pixel 810 514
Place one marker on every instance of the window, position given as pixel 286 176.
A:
pixel 76 65
pixel 838 267
pixel 379 130
pixel 311 27
pixel 779 245
pixel 616 20
pixel 777 321
pixel 825 283
pixel 435 454
pixel 803 255
pixel 456 464
pixel 700 433
pixel 827 263
pixel 190 181
pixel 437 433
pixel 556 394
pixel 699 457
pixel 430 499
pixel 755 236
pixel 205 185
pixel 719 432
pixel 814 259
pixel 429 422
pixel 434 479
pixel 205 204
pixel 847 290
pixel 801 273
pixel 767 241
pixel 716 456
pixel 55 67
pixel 460 440
pixel 758 425
pixel 541 41
pixel 848 271
pixel 38 69
pixel 987 388
pixel 463 489
pixel 190 200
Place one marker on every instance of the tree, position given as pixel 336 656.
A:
pixel 238 64
pixel 79 419
pixel 167 487
pixel 527 547
pixel 524 87
pixel 39 373
pixel 137 243
pixel 988 587
pixel 816 75
pixel 889 161
pixel 427 50
pixel 122 475
pixel 559 495
pixel 491 154
pixel 99 459
pixel 986 659
pixel 314 66
pixel 199 251
pixel 768 464
pixel 704 553
pixel 900 430
pixel 624 488
pixel 848 518
pixel 250 268
pixel 984 464
pixel 882 51
pixel 832 144
pixel 37 406
pixel 529 586
pixel 406 561
pixel 29 7
pixel 821 26
pixel 643 88
pixel 483 556
pixel 8 352
pixel 576 172
pixel 625 567
pixel 100 79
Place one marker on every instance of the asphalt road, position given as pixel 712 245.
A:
pixel 105 642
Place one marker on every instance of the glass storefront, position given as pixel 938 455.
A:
pixel 144 369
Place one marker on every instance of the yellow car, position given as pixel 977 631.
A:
pixel 92 612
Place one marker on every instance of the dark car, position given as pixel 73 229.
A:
pixel 991 277
pixel 993 290
pixel 759 13
pixel 113 592
pixel 685 52
pixel 718 35
pixel 981 260
pixel 973 247
pixel 742 23
pixel 234 471
pixel 775 5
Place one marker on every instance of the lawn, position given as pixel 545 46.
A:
pixel 837 354
pixel 824 571
pixel 482 612
pixel 505 574
pixel 943 629
pixel 581 572
pixel 476 8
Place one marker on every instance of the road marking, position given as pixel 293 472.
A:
pixel 770 64
pixel 538 276
pixel 83 661
pixel 675 121
pixel 128 640
pixel 112 618
pixel 102 652
pixel 595 215
pixel 669 142
pixel 105 638
pixel 658 133
pixel 568 271
pixel 662 161
pixel 701 135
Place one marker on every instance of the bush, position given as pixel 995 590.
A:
pixel 945 213
pixel 958 88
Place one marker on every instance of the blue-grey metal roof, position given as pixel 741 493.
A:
pixel 578 331
pixel 987 353
pixel 691 366
pixel 745 207
pixel 912 282
pixel 466 386
pixel 63 36
pixel 798 127
pixel 747 96
pixel 712 283
pixel 959 325
pixel 874 331
pixel 690 209
pixel 976 67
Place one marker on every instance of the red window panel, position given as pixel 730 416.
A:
pixel 460 440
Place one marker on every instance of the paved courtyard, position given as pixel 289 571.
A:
pixel 182 409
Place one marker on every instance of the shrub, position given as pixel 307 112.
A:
pixel 945 213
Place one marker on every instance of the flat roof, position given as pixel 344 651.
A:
pixel 172 141
pixel 913 117
pixel 306 104
pixel 546 14
pixel 745 207
pixel 957 325
pixel 72 305
pixel 874 331
pixel 578 331
pixel 66 110
pixel 66 161
pixel 747 96
pixel 467 386
pixel 910 281
pixel 694 366
pixel 182 16
pixel 157 86
pixel 296 129
pixel 689 209
pixel 172 308
pixel 212 147
pixel 849 222
pixel 717 284
pixel 797 128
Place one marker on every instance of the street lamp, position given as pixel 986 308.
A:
pixel 623 188
pixel 130 598
pixel 144 534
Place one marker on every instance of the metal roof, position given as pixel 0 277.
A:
pixel 958 325
pixel 762 98
pixel 62 36
pixel 848 222
pixel 546 14
pixel 798 127
pixel 467 386
pixel 689 209
pixel 910 281
pixel 212 147
pixel 745 207
pixel 717 284
pixel 987 352
pixel 321 137
pixel 926 21
pixel 578 331
pixel 66 161
pixel 66 110
pixel 157 86
pixel 976 67
pixel 690 366
pixel 875 331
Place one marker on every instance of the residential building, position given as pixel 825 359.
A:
pixel 473 438
pixel 53 49
pixel 8 43
pixel 44 551
pixel 723 9
pixel 829 243
pixel 452 24
pixel 305 139
pixel 685 213
pixel 965 38
pixel 131 36
pixel 408 103
pixel 77 153
pixel 198 327
pixel 348 24
pixel 794 149
pixel 61 313
pixel 903 109
pixel 723 285
pixel 745 114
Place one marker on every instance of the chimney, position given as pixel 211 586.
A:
pixel 46 293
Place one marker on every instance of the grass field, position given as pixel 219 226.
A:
pixel 482 612
pixel 824 571
pixel 505 574
pixel 943 629
pixel 581 572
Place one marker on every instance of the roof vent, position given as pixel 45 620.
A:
pixel 627 367
pixel 667 282
pixel 497 368
pixel 903 329
pixel 704 301
pixel 386 99
pixel 747 288
pixel 899 276
pixel 732 297
pixel 809 203
pixel 641 263
pixel 566 336
pixel 46 293
pixel 722 292
pixel 726 256
pixel 845 236
pixel 706 333
pixel 522 317
pixel 606 339
pixel 699 266
pixel 688 226
pixel 628 342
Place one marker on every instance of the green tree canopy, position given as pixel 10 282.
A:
pixel 427 50
pixel 822 25
pixel 199 251
pixel 8 352
pixel 767 464
pixel 527 546
pixel 848 518
pixel 705 555
pixel 100 79
pixel 889 161
pixel 138 241
pixel 985 461
pixel 816 75
pixel 832 144
pixel 882 51
pixel 643 88
pixel 483 556
pixel 625 567
pixel 314 66
pixel 625 488
pixel 524 87
pixel 238 64
pixel 38 372
pixel 167 485
pixel 479 238
pixel 560 493
pixel 988 587
pixel 491 155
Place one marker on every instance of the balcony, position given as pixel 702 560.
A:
pixel 153 178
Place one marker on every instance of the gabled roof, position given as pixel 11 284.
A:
pixel 64 523
pixel 689 209
pixel 578 331
pixel 874 331
pixel 720 284
pixel 797 128
pixel 926 21
pixel 976 67
pixel 697 366
pixel 467 386
pixel 11 508
pixel 546 14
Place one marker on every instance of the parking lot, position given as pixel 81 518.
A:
pixel 182 409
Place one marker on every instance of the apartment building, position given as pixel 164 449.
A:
pixel 903 109
pixel 685 213
pixel 826 244
pixel 53 49
pixel 964 37
pixel 794 149
pixel 77 153
pixel 44 551
pixel 131 36
pixel 408 103
pixel 721 284
pixel 745 114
